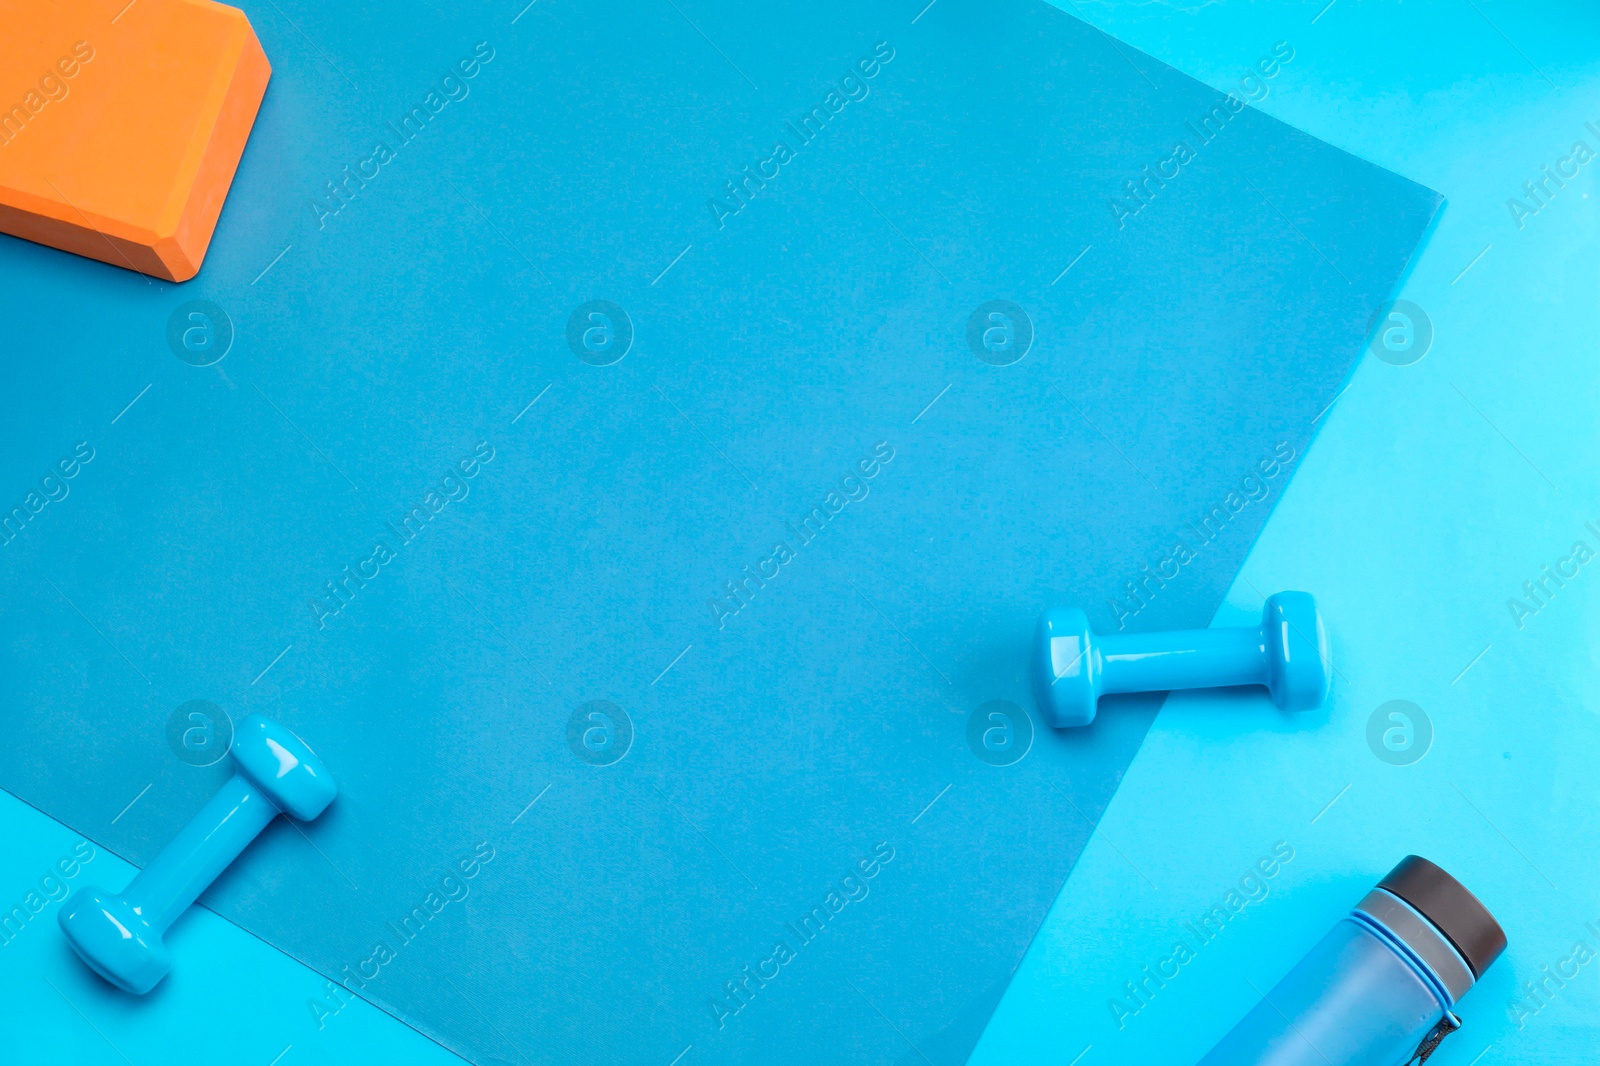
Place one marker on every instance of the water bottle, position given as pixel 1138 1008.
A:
pixel 1381 988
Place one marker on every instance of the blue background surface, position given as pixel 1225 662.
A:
pixel 1413 530
pixel 409 358
pixel 1434 491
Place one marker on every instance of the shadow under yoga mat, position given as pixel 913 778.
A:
pixel 631 443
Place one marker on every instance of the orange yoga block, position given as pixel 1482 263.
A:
pixel 121 125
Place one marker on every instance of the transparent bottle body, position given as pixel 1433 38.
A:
pixel 1351 1001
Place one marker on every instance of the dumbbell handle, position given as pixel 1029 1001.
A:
pixel 188 865
pixel 1182 658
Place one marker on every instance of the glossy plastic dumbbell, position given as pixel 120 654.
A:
pixel 120 937
pixel 1288 653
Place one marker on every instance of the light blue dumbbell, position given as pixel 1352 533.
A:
pixel 120 937
pixel 1288 653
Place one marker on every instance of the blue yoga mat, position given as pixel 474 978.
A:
pixel 631 443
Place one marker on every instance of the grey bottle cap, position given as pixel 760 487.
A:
pixel 1454 911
